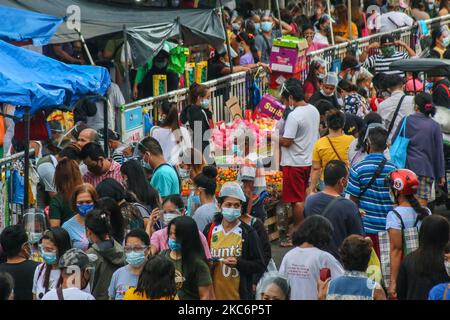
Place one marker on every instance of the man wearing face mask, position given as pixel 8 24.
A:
pixel 235 248
pixel 328 91
pixel 143 83
pixel 264 40
pixel 14 242
pixel 342 213
pixel 99 166
pixel 389 53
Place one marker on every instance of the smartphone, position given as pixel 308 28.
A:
pixel 325 273
pixel 216 259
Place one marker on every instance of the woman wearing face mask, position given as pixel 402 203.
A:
pixel 192 164
pixel 235 248
pixel 172 208
pixel 137 249
pixel 54 243
pixel 219 65
pixel 353 102
pixel 67 178
pixel 317 73
pixel 197 116
pixel 247 50
pixel 84 198
pixel 309 34
pixel 193 277
pixel 172 138
pixel 442 290
pixel 110 254
pixel 205 188
pixel 423 269
pixel 440 42
pixel 407 214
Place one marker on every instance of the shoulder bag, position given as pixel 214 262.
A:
pixel 399 148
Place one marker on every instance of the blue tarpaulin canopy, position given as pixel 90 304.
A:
pixel 30 79
pixel 22 25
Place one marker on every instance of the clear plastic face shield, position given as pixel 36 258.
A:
pixel 35 224
pixel 273 286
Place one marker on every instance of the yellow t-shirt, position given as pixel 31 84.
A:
pixel 324 153
pixel 223 245
pixel 130 294
pixel 342 30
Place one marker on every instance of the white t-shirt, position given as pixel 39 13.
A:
pixel 302 125
pixel 302 268
pixel 39 277
pixel 319 38
pixel 69 294
pixel 167 140
pixel 399 20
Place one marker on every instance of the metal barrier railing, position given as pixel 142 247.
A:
pixel 409 35
pixel 238 84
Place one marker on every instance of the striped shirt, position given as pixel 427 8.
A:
pixel 381 64
pixel 376 201
pixel 113 172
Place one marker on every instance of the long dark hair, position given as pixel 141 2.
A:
pixel 249 40
pixel 115 217
pixel 137 184
pixel 67 177
pixel 61 239
pixel 422 212
pixel 433 238
pixel 424 101
pixel 196 91
pixel 99 223
pixel 186 231
pixel 312 76
pixel 435 35
pixel 157 279
pixel 171 111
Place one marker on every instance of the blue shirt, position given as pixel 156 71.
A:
pixel 408 215
pixel 353 285
pixel 121 281
pixel 376 201
pixel 165 180
pixel 77 233
pixel 437 293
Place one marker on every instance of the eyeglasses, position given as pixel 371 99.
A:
pixel 129 249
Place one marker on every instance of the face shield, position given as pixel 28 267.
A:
pixel 34 222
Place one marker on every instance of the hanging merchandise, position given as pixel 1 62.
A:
pixel 148 123
pixel 3 202
pixel 39 130
pixel 177 59
pixel 17 189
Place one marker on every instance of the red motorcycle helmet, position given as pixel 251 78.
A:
pixel 403 180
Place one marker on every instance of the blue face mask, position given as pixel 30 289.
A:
pixel 257 27
pixel 184 174
pixel 446 41
pixel 84 209
pixel 49 257
pixel 173 245
pixel 135 258
pixel 34 237
pixel 204 103
pixel 349 77
pixel 195 199
pixel 266 26
pixel 231 214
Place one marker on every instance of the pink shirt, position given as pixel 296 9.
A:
pixel 114 173
pixel 316 46
pixel 159 241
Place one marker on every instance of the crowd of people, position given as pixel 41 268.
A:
pixel 115 225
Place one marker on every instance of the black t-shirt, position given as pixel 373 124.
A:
pixel 319 96
pixel 215 70
pixel 344 216
pixel 192 114
pixel 22 274
pixel 146 87
pixel 441 93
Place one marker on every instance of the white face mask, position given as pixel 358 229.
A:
pixel 391 195
pixel 447 267
pixel 326 95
